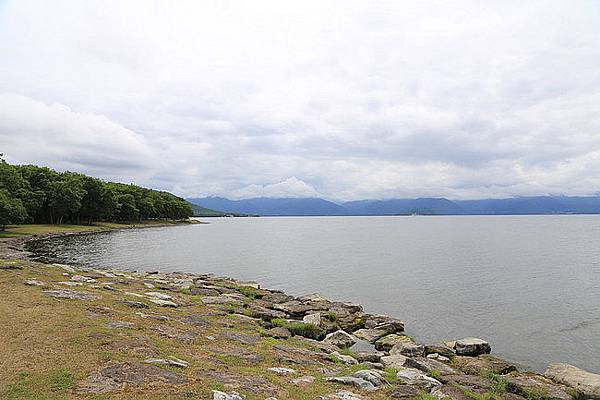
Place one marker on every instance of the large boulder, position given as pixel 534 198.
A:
pixel 383 322
pixel 482 364
pixel 370 335
pixel 428 365
pixel 340 339
pixel 536 386
pixel 585 382
pixel 414 377
pixel 471 347
pixel 408 349
pixel 387 342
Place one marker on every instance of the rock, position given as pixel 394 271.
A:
pixel 484 363
pixel 159 295
pixel 277 297
pixel 583 381
pixel 252 384
pixel 471 347
pixel 205 292
pixel 348 360
pixel 313 297
pixel 120 324
pixel 176 362
pixel 174 333
pixel 298 309
pixel 387 342
pixel 374 357
pixel 81 278
pixel 222 299
pixel 217 395
pixel 72 294
pixel 408 349
pixel 427 365
pixel 535 386
pixel 436 356
pixel 34 282
pixel 340 339
pixel 341 395
pixel 314 319
pixel 414 377
pixel 353 381
pixel 69 283
pixel 279 333
pixel 474 383
pixel 282 371
pixel 303 380
pixel 450 392
pixel 383 322
pixel 133 304
pixel 370 335
pixel 164 303
pixel 370 376
pixel 264 313
pixel 405 391
pixel 440 349
pixel 152 316
pixel 116 375
pixel 394 361
pixel 243 338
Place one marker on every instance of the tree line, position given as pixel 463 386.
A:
pixel 32 194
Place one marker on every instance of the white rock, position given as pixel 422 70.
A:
pixel 217 395
pixel 34 282
pixel 176 362
pixel 164 303
pixel 282 371
pixel 159 295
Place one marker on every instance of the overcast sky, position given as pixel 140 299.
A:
pixel 343 100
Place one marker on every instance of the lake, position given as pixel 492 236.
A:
pixel 528 284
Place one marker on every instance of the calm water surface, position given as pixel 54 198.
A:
pixel 530 285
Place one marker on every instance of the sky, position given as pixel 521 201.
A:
pixel 342 100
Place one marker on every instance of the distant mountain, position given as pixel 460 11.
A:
pixel 272 207
pixel 200 211
pixel 421 206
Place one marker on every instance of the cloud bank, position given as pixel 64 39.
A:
pixel 343 100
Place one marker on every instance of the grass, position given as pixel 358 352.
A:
pixel 435 373
pixel 310 331
pixel 249 292
pixel 390 374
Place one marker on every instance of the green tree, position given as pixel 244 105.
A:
pixel 64 197
pixel 11 210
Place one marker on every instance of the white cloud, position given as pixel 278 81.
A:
pixel 356 99
pixel 291 187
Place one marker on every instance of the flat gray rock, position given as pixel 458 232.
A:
pixel 72 294
pixel 584 381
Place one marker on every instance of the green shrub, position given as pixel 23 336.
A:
pixel 310 331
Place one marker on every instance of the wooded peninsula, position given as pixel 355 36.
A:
pixel 33 194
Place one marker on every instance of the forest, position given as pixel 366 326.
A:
pixel 33 194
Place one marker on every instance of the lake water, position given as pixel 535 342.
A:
pixel 528 284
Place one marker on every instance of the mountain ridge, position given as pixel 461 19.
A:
pixel 311 206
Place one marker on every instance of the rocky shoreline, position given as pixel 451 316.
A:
pixel 245 341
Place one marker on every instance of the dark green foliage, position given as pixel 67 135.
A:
pixel 29 193
pixel 310 331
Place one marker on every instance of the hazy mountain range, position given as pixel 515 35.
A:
pixel 421 206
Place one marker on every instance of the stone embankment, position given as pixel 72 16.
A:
pixel 220 338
